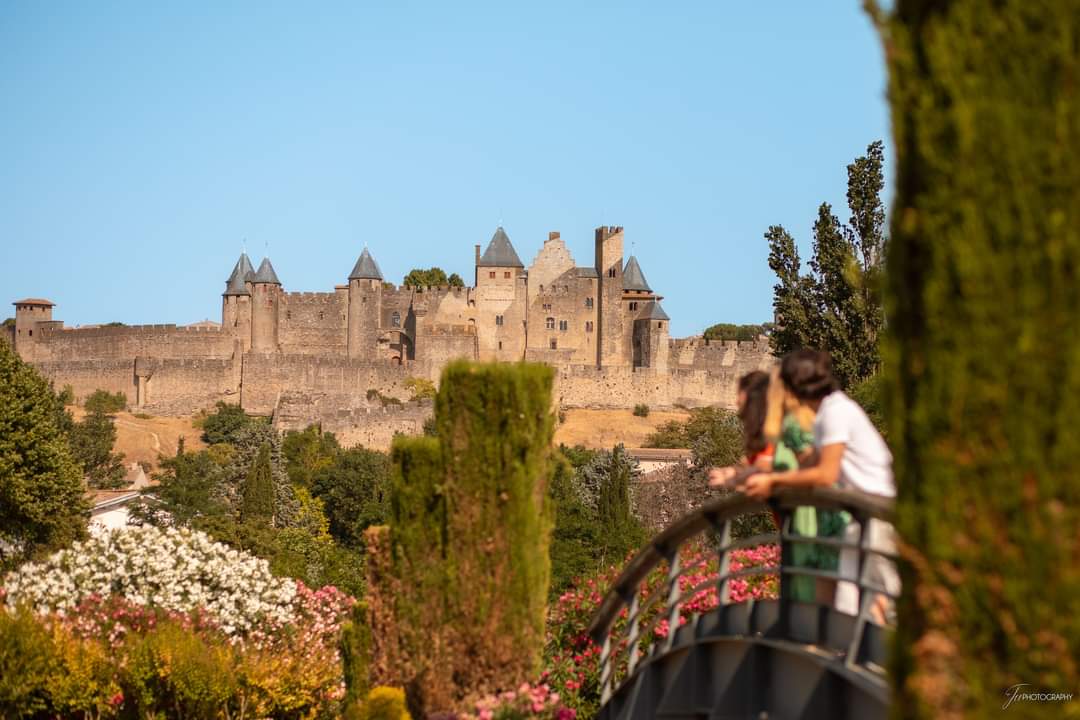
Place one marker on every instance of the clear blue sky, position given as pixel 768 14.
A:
pixel 140 144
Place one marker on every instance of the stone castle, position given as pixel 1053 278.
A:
pixel 337 357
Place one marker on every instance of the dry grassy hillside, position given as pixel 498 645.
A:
pixel 142 439
pixel 607 428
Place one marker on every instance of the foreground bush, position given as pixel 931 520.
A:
pixel 167 669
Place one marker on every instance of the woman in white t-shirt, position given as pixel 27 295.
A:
pixel 849 453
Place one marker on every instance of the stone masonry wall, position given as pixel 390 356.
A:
pixel 353 421
pixel 313 323
pixel 267 377
pixel 86 376
pixel 131 341
pixel 182 387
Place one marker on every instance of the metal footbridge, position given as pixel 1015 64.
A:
pixel 762 659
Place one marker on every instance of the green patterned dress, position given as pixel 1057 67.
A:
pixel 807 521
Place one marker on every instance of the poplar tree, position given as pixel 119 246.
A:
pixel 837 306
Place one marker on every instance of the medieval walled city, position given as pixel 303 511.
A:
pixel 334 357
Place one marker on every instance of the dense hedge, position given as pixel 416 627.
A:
pixel 470 529
pixel 982 376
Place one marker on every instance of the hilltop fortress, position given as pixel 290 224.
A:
pixel 335 357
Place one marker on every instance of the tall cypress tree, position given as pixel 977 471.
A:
pixel 258 499
pixel 982 357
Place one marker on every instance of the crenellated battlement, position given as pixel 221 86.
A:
pixel 311 298
pixel 127 330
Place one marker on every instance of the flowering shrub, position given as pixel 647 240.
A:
pixel 177 571
pixel 153 620
pixel 572 659
pixel 528 701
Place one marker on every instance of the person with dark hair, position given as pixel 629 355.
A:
pixel 751 401
pixel 848 452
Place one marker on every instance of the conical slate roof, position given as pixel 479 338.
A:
pixel 633 278
pixel 500 253
pixel 653 311
pixel 366 268
pixel 235 284
pixel 266 273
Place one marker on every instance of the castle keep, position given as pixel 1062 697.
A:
pixel 333 357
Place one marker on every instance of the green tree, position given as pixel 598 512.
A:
pixel 184 492
pixel 729 331
pixel 355 490
pixel 224 423
pixel 432 277
pixel 258 497
pixel 248 443
pixel 307 452
pixel 41 490
pixel 105 402
pixel 471 522
pixel 981 373
pixel 92 440
pixel 837 306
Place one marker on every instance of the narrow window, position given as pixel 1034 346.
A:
pixel 31 332
pixel 550 323
pixel 588 302
pixel 395 319
pixel 320 314
pixel 500 344
pixel 547 306
pixel 506 275
pixel 554 344
pixel 498 319
pixel 288 314
pixel 588 326
pixel 563 325
pixel 491 274
pixel 660 325
pixel 611 271
pixel 633 306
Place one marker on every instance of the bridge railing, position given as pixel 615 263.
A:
pixel 866 544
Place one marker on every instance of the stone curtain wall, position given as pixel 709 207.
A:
pixel 351 418
pixel 128 342
pixel 86 376
pixel 182 387
pixel 267 377
pixel 313 323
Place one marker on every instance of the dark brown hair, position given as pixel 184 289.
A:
pixel 808 374
pixel 752 414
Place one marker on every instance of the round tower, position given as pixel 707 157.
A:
pixel 236 303
pixel 365 307
pixel 265 298
pixel 28 313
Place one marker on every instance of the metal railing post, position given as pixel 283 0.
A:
pixel 672 599
pixel 635 627
pixel 723 592
pixel 864 597
pixel 605 669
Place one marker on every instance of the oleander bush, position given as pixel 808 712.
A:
pixel 572 659
pixel 164 623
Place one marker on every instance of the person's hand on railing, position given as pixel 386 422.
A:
pixel 759 485
pixel 723 476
